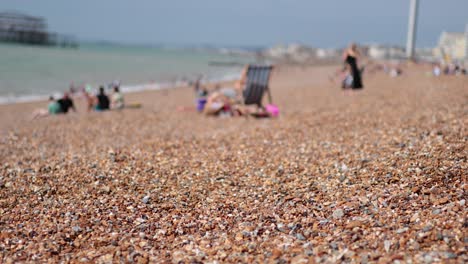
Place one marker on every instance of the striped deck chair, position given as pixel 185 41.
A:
pixel 257 80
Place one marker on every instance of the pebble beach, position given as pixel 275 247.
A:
pixel 376 176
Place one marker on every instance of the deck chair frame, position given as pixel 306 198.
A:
pixel 257 83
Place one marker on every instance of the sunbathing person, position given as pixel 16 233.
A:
pixel 245 98
pixel 217 103
pixel 227 100
pixel 211 103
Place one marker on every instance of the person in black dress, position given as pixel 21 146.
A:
pixel 350 57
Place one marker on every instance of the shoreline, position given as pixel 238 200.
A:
pixel 126 89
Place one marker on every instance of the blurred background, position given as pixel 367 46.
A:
pixel 50 45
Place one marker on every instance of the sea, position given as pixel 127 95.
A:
pixel 29 73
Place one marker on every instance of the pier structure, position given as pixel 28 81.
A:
pixel 25 29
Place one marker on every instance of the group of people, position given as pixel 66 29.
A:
pixel 448 69
pixel 99 102
pixel 60 106
pixel 102 102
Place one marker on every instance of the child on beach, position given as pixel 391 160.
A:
pixel 343 77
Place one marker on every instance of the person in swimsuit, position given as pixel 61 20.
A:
pixel 350 57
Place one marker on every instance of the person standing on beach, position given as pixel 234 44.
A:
pixel 350 57
pixel 197 84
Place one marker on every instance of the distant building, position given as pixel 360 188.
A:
pixel 380 52
pixel 327 53
pixel 424 54
pixel 292 52
pixel 452 46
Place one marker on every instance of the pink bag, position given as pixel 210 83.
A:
pixel 273 110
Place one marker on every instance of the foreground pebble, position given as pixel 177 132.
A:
pixel 376 177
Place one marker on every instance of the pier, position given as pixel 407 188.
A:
pixel 25 29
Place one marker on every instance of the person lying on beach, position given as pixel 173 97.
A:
pixel 103 102
pixel 234 94
pixel 66 103
pixel 219 104
pixel 252 110
pixel 226 100
pixel 218 96
pixel 216 104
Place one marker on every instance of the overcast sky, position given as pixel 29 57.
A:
pixel 325 23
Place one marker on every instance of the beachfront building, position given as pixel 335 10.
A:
pixel 424 54
pixel 381 52
pixel 452 46
pixel 327 53
pixel 292 53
